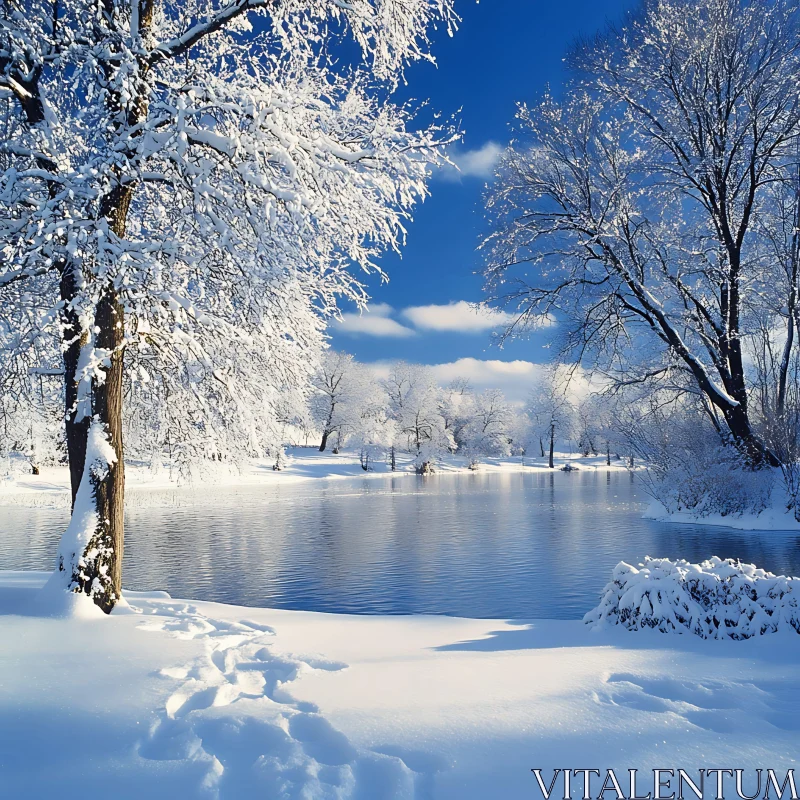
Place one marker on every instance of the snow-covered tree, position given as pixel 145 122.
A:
pixel 30 422
pixel 550 410
pixel 488 428
pixel 631 207
pixel 455 408
pixel 588 424
pixel 191 181
pixel 334 392
pixel 373 430
pixel 415 404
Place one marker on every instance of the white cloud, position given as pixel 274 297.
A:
pixel 516 379
pixel 375 321
pixel 459 316
pixel 478 163
pixel 463 317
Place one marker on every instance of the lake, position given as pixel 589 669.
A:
pixel 508 545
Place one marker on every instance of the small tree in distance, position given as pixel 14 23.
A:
pixel 550 411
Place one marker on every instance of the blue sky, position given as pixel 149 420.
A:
pixel 505 51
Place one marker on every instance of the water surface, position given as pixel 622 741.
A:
pixel 511 545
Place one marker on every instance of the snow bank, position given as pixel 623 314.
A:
pixel 716 599
pixel 50 489
pixel 204 701
pixel 777 516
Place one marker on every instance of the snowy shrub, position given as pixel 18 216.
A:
pixel 790 473
pixel 715 483
pixel 689 468
pixel 716 599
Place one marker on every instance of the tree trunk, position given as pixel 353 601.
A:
pixel 99 569
pixel 109 491
pixel 552 444
pixel 393 459
pixel 794 263
pixel 737 418
pixel 76 422
pixel 608 454
pixel 785 360
pixel 756 452
pixel 324 443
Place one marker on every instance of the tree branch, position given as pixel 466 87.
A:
pixel 187 40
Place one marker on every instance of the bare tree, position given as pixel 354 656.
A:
pixel 331 387
pixel 632 207
pixel 551 411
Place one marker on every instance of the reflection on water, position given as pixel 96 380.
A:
pixel 521 545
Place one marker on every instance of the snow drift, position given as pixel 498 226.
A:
pixel 716 599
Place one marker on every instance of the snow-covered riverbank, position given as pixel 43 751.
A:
pixel 200 700
pixel 51 486
pixel 774 518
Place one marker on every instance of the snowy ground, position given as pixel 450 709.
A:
pixel 51 487
pixel 774 518
pixel 185 699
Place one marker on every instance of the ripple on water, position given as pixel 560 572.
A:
pixel 500 545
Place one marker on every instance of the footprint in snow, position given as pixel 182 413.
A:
pixel 236 729
pixel 714 705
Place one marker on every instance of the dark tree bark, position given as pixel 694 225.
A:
pixel 552 444
pixel 73 340
pixel 328 429
pixel 101 576
pixel 792 309
pixel 107 407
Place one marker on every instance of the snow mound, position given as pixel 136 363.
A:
pixel 716 599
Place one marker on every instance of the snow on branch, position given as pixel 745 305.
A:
pixel 716 599
pixel 390 33
pixel 258 178
pixel 227 14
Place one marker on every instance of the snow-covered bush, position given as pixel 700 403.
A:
pixel 689 467
pixel 713 484
pixel 716 599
